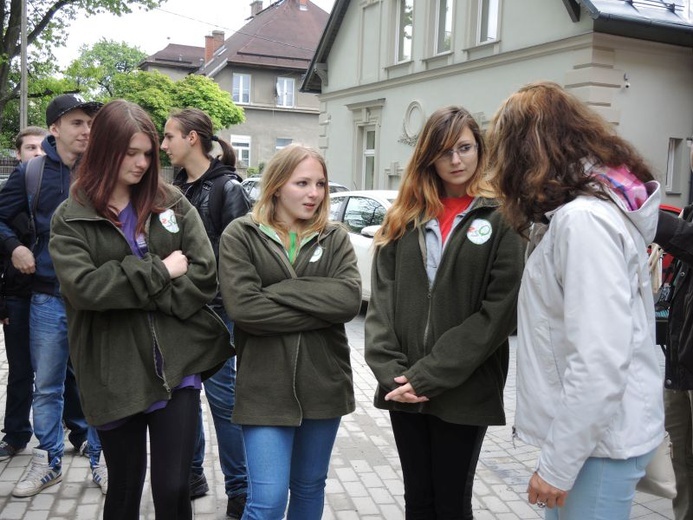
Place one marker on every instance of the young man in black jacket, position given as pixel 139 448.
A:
pixel 675 236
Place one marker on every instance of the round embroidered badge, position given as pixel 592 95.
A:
pixel 168 220
pixel 479 231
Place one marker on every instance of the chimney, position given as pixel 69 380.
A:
pixel 303 5
pixel 212 43
pixel 255 7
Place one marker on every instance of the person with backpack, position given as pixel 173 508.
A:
pixel 675 236
pixel 15 296
pixel 213 187
pixel 68 118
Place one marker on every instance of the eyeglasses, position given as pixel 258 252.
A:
pixel 464 150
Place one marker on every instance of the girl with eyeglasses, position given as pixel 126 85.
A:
pixel 445 278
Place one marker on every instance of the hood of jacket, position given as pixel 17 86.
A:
pixel 216 169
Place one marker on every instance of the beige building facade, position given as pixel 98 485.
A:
pixel 383 66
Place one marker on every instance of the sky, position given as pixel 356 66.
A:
pixel 184 22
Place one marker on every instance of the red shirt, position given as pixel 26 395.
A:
pixel 452 206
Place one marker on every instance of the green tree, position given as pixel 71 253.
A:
pixel 195 91
pixel 153 91
pixel 47 24
pixel 94 71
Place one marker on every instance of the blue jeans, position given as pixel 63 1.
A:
pixel 220 390
pixel 49 357
pixel 604 490
pixel 20 377
pixel 282 459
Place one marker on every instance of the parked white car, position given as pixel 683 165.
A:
pixel 362 213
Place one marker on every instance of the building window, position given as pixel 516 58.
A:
pixel 368 158
pixel 241 145
pixel 282 142
pixel 488 20
pixel 241 88
pixel 405 10
pixel 285 92
pixel 444 26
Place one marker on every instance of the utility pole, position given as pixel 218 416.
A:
pixel 23 87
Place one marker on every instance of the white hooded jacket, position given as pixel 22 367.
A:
pixel 588 379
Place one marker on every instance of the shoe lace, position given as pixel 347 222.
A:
pixel 38 470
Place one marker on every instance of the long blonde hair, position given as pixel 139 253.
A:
pixel 419 195
pixel 277 174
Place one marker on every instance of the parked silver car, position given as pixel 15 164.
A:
pixel 362 212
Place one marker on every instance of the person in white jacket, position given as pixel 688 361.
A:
pixel 589 386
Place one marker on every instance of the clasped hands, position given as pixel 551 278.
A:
pixel 404 393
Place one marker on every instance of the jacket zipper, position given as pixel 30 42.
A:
pixel 157 349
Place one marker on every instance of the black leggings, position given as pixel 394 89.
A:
pixel 438 462
pixel 172 436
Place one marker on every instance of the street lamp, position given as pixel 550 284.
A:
pixel 23 87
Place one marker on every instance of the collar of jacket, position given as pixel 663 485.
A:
pixel 75 209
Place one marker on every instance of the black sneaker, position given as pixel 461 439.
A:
pixel 235 507
pixel 198 485
pixel 7 451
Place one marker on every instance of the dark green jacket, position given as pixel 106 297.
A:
pixel 120 306
pixel 293 353
pixel 449 340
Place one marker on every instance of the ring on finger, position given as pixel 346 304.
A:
pixel 541 504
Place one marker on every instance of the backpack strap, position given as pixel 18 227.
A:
pixel 216 201
pixel 33 174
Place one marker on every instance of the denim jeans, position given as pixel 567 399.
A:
pixel 282 459
pixel 49 357
pixel 678 420
pixel 20 378
pixel 220 390
pixel 603 490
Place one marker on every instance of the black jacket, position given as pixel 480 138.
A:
pixel 675 236
pixel 235 202
pixel 12 282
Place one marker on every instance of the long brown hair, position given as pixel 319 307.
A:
pixel 109 140
pixel 538 139
pixel 419 195
pixel 277 173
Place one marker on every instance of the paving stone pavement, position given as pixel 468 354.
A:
pixel 364 482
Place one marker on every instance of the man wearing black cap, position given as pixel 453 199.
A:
pixel 68 118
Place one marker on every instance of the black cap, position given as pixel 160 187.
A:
pixel 66 102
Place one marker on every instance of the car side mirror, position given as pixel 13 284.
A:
pixel 369 231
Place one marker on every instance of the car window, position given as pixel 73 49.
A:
pixel 361 212
pixel 336 188
pixel 335 204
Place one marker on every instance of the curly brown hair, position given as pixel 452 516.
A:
pixel 538 139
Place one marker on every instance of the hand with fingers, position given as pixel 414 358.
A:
pixel 405 393
pixel 544 494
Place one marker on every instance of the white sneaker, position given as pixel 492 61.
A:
pixel 40 476
pixel 99 475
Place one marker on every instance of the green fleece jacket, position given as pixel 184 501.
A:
pixel 121 307
pixel 450 339
pixel 293 353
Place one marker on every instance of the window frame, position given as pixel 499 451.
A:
pixel 400 34
pixel 243 91
pixel 283 91
pixel 442 24
pixel 241 145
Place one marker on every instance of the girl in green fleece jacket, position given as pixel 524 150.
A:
pixel 446 273
pixel 136 269
pixel 289 281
